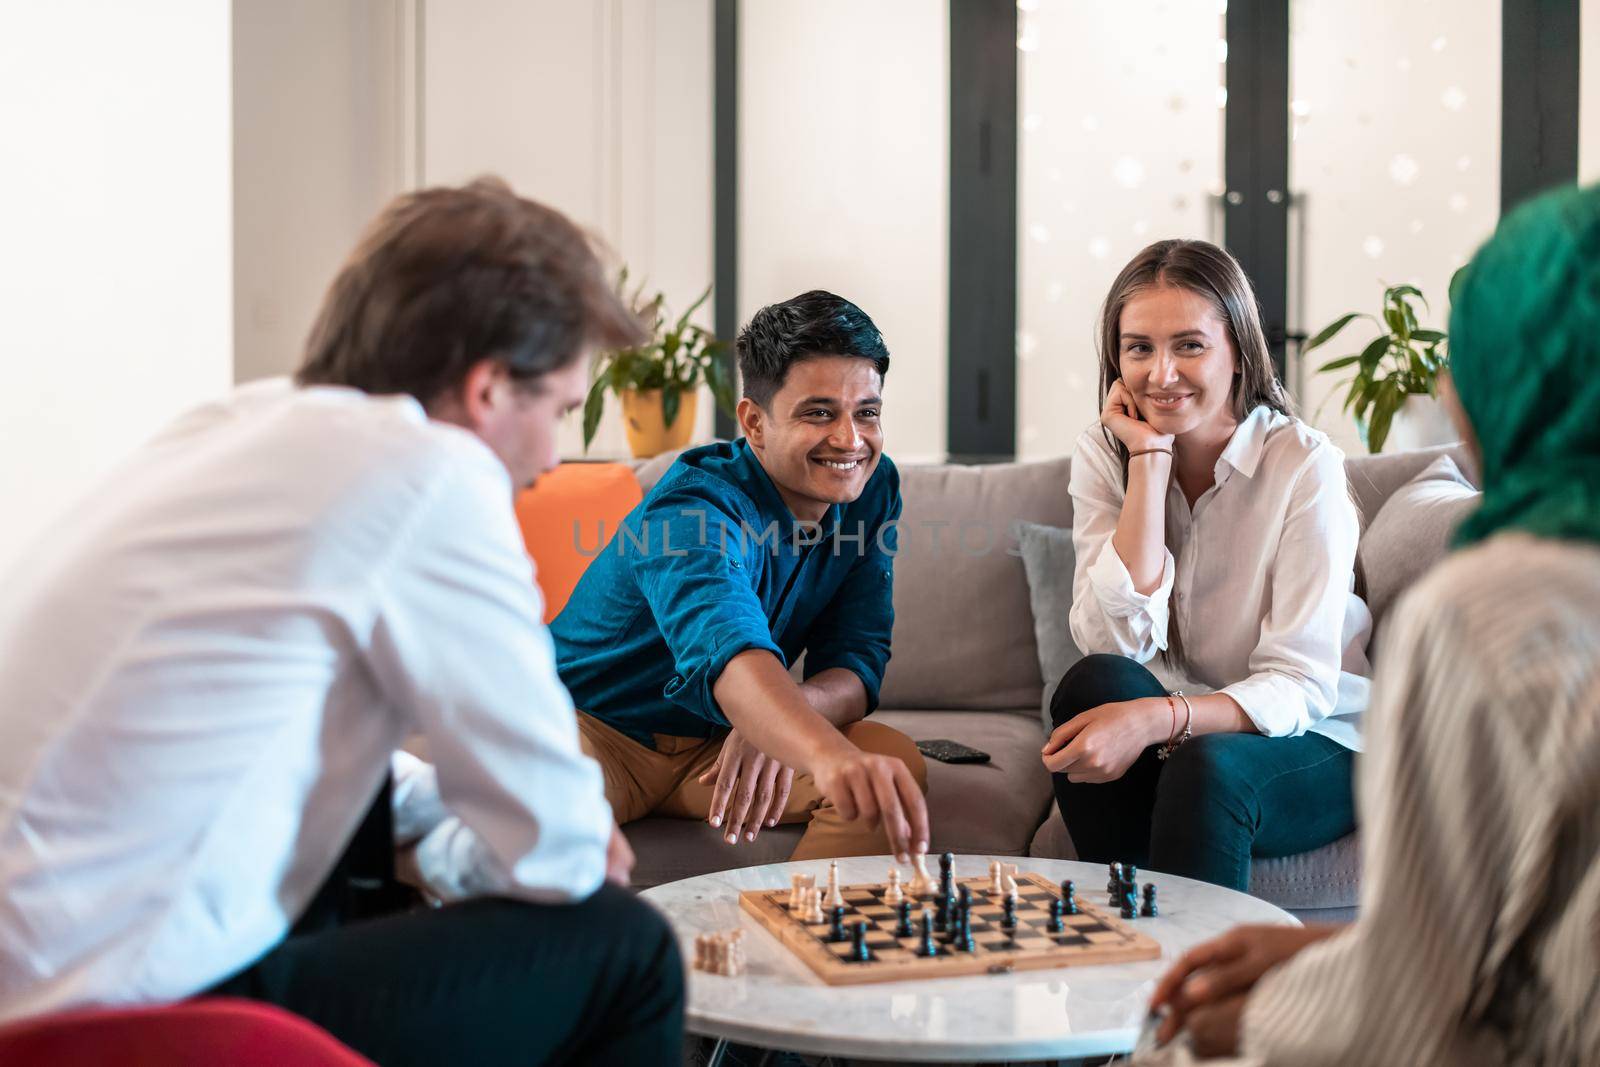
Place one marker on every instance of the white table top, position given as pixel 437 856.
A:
pixel 1044 1014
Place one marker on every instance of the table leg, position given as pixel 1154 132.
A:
pixel 718 1051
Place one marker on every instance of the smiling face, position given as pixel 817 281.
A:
pixel 820 436
pixel 1176 357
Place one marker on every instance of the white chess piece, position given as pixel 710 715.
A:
pixel 921 884
pixel 1008 886
pixel 996 884
pixel 799 883
pixel 812 905
pixel 835 898
pixel 893 894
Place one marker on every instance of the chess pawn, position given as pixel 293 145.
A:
pixel 1069 896
pixel 921 884
pixel 835 899
pixel 813 905
pixel 893 894
pixel 1149 910
pixel 996 879
pixel 1057 909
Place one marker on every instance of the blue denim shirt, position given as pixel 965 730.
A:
pixel 712 563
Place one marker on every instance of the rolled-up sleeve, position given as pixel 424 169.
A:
pixel 697 579
pixel 1294 670
pixel 1108 614
pixel 458 647
pixel 853 632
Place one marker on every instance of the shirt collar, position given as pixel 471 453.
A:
pixel 759 484
pixel 1249 440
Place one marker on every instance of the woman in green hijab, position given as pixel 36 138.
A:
pixel 1480 789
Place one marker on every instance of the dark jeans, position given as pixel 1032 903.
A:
pixel 482 982
pixel 1218 800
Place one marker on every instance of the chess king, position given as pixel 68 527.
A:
pixel 676 643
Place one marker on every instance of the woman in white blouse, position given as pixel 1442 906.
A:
pixel 1216 710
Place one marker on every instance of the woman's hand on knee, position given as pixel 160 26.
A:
pixel 1099 745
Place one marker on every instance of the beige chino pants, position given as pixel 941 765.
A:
pixel 664 781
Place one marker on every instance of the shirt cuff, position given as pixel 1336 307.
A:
pixel 1276 704
pixel 857 666
pixel 417 806
pixel 1113 588
pixel 694 693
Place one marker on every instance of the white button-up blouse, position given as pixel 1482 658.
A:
pixel 1259 577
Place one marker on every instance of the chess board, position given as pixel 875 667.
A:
pixel 1092 936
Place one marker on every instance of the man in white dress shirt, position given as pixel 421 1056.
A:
pixel 205 668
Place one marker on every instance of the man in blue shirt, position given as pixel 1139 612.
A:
pixel 677 642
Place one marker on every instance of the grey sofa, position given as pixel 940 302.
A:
pixel 965 666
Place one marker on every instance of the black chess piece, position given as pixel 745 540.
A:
pixel 1008 913
pixel 859 952
pixel 1130 905
pixel 1115 884
pixel 928 947
pixel 1057 907
pixel 946 868
pixel 961 940
pixel 941 913
pixel 1130 878
pixel 905 929
pixel 1069 896
pixel 836 932
pixel 1149 910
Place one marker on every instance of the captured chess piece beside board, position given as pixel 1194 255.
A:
pixel 889 931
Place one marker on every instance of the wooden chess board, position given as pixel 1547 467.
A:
pixel 1092 936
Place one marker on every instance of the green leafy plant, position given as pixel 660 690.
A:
pixel 674 360
pixel 1404 360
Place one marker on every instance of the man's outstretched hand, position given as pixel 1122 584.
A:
pixel 879 789
pixel 751 789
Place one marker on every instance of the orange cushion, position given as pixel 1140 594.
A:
pixel 567 517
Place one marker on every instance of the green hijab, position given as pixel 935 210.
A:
pixel 1525 360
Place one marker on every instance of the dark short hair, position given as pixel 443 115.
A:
pixel 446 277
pixel 812 324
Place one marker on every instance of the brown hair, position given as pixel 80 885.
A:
pixel 1210 272
pixel 446 277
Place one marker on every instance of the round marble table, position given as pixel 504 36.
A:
pixel 1063 1013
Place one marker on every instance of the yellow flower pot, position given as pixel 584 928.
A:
pixel 648 433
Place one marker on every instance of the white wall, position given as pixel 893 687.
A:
pixel 844 118
pixel 115 283
pixel 318 148
pixel 1120 145
pixel 1589 91
pixel 1396 152
pixel 602 110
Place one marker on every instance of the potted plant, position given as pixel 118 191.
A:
pixel 658 382
pixel 1403 361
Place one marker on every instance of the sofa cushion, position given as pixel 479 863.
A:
pixel 963 633
pixel 1049 559
pixel 984 808
pixel 566 518
pixel 1325 880
pixel 1374 479
pixel 1411 532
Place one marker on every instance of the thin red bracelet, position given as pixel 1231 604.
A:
pixel 1166 750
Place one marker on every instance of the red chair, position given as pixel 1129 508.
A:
pixel 197 1033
